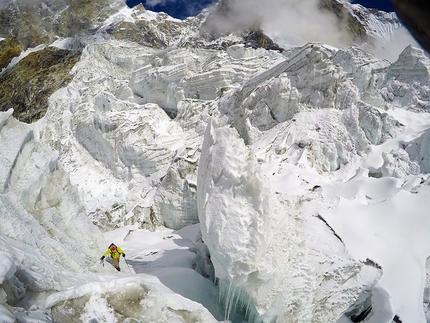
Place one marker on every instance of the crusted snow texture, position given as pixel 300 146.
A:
pixel 184 135
pixel 278 263
pixel 315 105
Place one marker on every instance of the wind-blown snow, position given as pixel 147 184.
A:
pixel 243 184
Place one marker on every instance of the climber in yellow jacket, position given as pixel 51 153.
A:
pixel 115 252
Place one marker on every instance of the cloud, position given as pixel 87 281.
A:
pixel 296 22
pixel 153 3
pixel 391 50
pixel 301 20
pixel 4 3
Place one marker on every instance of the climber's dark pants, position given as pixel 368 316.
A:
pixel 116 262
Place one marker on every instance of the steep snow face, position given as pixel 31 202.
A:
pixel 43 198
pixel 380 25
pixel 328 96
pixel 264 252
pixel 383 33
pixel 321 110
pixel 42 219
pixel 121 119
pixel 105 124
pixel 197 74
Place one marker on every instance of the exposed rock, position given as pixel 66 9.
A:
pixel 35 23
pixel 257 39
pixel 24 24
pixel 9 49
pixel 138 32
pixel 354 27
pixel 83 16
pixel 27 86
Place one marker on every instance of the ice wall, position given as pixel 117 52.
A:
pixel 140 115
pixel 45 233
pixel 39 205
pixel 122 143
pixel 264 250
pixel 327 112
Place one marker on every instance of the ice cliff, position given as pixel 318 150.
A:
pixel 286 159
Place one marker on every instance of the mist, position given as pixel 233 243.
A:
pixel 391 50
pixel 289 23
pixel 153 3
pixel 4 3
pixel 296 22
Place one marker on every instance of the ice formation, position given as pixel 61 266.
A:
pixel 293 185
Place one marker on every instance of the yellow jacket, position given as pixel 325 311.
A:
pixel 114 254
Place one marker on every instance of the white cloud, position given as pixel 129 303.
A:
pixel 301 18
pixel 4 3
pixel 391 50
pixel 153 3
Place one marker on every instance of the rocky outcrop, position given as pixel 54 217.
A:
pixel 27 86
pixel 347 21
pixel 257 39
pixel 41 22
pixel 9 49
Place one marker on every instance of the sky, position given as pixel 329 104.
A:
pixel 176 8
pixel 184 8
pixel 384 5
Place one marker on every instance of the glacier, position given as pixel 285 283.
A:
pixel 244 184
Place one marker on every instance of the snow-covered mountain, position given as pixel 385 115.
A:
pixel 250 171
